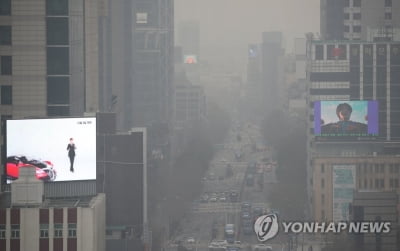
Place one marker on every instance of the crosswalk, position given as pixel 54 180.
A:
pixel 220 207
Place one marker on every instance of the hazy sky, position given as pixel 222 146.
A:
pixel 232 24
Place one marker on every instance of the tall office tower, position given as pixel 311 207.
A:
pixel 271 69
pixel 189 37
pixel 142 59
pixel 49 61
pixel 367 20
pixel 353 122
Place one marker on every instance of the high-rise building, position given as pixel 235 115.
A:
pixel 366 20
pixel 271 69
pixel 364 144
pixel 141 56
pixel 49 60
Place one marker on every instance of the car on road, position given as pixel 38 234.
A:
pixel 222 198
pixel 190 240
pixel 213 198
pixel 246 215
pixel 246 207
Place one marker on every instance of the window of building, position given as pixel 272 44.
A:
pixel 396 183
pixel 5 35
pixel 323 214
pixel 58 230
pixel 356 16
pixel 2 231
pixel 388 15
pixel 322 168
pixel 346 16
pixel 356 28
pixel 356 3
pixel 322 199
pixel 377 183
pixel 14 231
pixel 346 3
pixel 44 230
pixel 6 95
pixel 58 90
pixel 388 3
pixel 382 168
pixel 390 168
pixel 376 168
pixel 57 7
pixel 371 183
pixel 3 123
pixel 5 7
pixel 365 183
pixel 57 31
pixel 391 184
pixel 58 110
pixel 72 230
pixel 396 168
pixel 382 183
pixel 57 60
pixel 319 52
pixel 5 65
pixel 322 183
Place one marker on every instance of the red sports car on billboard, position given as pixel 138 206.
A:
pixel 44 169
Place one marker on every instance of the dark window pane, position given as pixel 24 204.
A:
pixel 4 118
pixel 319 52
pixel 56 7
pixel 55 111
pixel 5 7
pixel 5 65
pixel 346 3
pixel 6 95
pixel 346 16
pixel 388 15
pixel 57 60
pixel 57 31
pixel 5 35
pixel 388 3
pixel 356 3
pixel 357 28
pixel 58 90
pixel 357 16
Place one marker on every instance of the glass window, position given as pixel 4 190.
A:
pixel 319 52
pixel 5 65
pixel 44 230
pixel 322 168
pixel 388 15
pixel 347 3
pixel 6 95
pixel 72 230
pixel 3 123
pixel 2 231
pixel 356 16
pixel 58 230
pixel 5 35
pixel 5 7
pixel 57 31
pixel 55 111
pixel 57 7
pixel 346 16
pixel 357 28
pixel 58 90
pixel 322 183
pixel 356 3
pixel 388 3
pixel 57 60
pixel 14 231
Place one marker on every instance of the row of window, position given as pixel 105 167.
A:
pixel 379 183
pixel 357 3
pixel 373 168
pixel 44 231
pixel 53 7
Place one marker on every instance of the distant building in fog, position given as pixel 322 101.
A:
pixel 366 20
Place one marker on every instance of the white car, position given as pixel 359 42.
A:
pixel 190 240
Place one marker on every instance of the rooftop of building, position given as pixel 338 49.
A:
pixel 83 201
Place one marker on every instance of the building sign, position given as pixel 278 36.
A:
pixel 343 182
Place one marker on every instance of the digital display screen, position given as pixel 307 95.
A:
pixel 61 149
pixel 346 118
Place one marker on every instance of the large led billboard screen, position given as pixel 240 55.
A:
pixel 345 118
pixel 61 149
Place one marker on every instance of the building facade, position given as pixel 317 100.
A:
pixel 365 20
pixel 346 72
